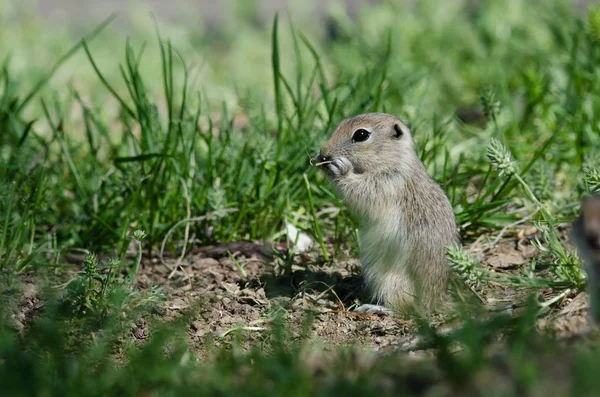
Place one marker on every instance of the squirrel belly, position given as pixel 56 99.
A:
pixel 403 243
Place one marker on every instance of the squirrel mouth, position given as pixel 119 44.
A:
pixel 325 166
pixel 334 168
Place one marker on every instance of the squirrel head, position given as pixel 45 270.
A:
pixel 368 144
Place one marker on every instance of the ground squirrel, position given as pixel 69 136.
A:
pixel 586 237
pixel 407 221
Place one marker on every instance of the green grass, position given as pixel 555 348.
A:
pixel 106 142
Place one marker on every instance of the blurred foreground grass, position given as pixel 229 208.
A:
pixel 146 132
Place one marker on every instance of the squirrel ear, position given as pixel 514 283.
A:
pixel 398 130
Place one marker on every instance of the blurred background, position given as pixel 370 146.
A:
pixel 207 12
pixel 227 43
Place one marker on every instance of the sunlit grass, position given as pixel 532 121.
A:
pixel 214 130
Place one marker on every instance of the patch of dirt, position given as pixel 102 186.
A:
pixel 20 301
pixel 571 320
pixel 239 288
pixel 242 286
pixel 245 290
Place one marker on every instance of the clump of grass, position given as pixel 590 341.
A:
pixel 167 161
pixel 168 154
pixel 564 264
pixel 52 361
pixel 591 180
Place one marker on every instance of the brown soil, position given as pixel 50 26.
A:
pixel 210 283
pixel 229 301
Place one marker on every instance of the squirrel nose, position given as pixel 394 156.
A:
pixel 321 158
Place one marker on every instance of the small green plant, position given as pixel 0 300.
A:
pixel 490 103
pixel 501 159
pixel 94 289
pixel 593 23
pixel 138 237
pixel 468 268
pixel 542 180
pixel 99 289
pixel 591 180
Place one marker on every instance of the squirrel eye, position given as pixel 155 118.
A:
pixel 360 135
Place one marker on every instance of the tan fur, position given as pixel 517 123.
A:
pixel 407 221
pixel 586 237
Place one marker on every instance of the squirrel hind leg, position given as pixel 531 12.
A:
pixel 374 309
